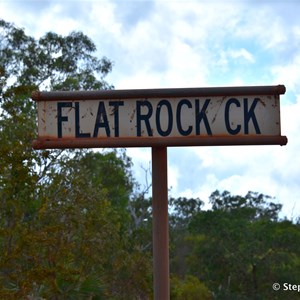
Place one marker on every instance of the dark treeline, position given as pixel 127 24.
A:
pixel 74 224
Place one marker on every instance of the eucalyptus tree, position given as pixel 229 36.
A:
pixel 62 235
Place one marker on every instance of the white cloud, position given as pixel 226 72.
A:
pixel 241 53
pixel 173 176
pixel 289 73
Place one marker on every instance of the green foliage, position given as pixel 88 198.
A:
pixel 182 212
pixel 140 227
pixel 107 170
pixel 238 249
pixel 53 62
pixel 188 289
pixel 63 214
pixel 241 249
pixel 258 204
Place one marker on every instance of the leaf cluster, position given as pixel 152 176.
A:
pixel 240 247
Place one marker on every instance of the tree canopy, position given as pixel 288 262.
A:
pixel 63 214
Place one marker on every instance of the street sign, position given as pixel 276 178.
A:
pixel 160 117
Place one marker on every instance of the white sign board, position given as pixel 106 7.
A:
pixel 169 121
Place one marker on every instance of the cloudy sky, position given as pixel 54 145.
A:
pixel 190 43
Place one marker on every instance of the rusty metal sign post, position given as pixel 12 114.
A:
pixel 160 118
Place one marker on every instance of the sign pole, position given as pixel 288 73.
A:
pixel 160 223
pixel 159 118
